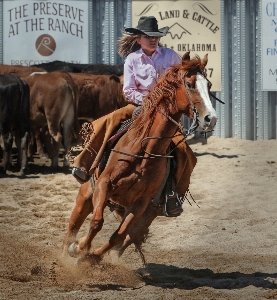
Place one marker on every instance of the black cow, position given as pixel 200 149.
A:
pixel 103 69
pixel 96 69
pixel 58 65
pixel 14 119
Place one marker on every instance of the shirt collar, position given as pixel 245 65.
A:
pixel 141 53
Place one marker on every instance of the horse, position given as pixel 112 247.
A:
pixel 139 158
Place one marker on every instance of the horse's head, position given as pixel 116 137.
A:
pixel 194 91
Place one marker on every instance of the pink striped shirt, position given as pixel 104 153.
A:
pixel 142 72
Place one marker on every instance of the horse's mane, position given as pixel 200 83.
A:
pixel 165 90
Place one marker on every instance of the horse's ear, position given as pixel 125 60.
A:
pixel 204 61
pixel 186 56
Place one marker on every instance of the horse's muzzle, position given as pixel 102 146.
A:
pixel 208 123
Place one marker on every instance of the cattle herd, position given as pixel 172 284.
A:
pixel 42 106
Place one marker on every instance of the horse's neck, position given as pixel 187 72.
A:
pixel 162 127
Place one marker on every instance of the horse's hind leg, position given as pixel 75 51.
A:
pixel 138 232
pixel 83 207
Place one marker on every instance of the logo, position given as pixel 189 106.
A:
pixel 176 30
pixel 45 45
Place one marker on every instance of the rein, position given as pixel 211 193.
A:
pixel 184 132
pixel 216 98
pixel 192 128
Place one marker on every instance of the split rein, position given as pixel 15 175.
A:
pixel 151 155
pixel 192 128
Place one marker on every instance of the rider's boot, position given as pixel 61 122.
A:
pixel 83 161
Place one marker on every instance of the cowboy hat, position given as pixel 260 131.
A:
pixel 149 26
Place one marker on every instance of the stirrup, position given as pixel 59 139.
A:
pixel 172 205
pixel 80 174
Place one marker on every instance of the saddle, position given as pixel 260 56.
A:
pixel 123 127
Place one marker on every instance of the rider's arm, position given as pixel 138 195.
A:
pixel 130 87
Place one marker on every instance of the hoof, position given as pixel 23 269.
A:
pixel 66 164
pixel 23 171
pixel 74 250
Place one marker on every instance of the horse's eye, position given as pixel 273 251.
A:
pixel 189 85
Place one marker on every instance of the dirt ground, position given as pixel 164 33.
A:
pixel 224 249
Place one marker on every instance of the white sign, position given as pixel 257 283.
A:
pixel 269 45
pixel 38 31
pixel 193 26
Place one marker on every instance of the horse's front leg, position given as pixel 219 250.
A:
pixel 83 207
pixel 132 216
pixel 83 245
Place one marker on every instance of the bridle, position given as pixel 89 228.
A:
pixel 184 132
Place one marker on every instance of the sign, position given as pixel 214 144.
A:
pixel 36 32
pixel 193 26
pixel 269 45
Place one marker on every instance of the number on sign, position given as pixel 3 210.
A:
pixel 209 72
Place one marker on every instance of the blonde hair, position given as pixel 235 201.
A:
pixel 128 44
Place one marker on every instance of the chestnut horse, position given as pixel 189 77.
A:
pixel 137 165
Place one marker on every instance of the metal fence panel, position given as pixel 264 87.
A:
pixel 249 112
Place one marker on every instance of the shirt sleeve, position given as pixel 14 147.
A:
pixel 129 87
pixel 176 58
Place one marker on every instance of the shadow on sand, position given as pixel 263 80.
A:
pixel 184 278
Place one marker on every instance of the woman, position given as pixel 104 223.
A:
pixel 145 62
